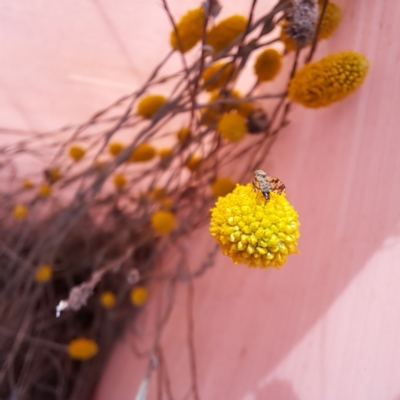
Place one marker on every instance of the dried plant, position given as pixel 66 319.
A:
pixel 97 215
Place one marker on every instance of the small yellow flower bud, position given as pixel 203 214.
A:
pixel 76 153
pixel 82 348
pixel 43 273
pixel 139 296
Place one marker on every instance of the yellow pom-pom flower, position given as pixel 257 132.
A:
pixel 268 64
pixel 217 75
pixel 193 162
pixel 144 152
pixel 82 348
pixel 163 222
pixel 254 231
pixel 232 126
pixel 222 186
pixel 331 79
pixel 190 30
pixel 107 299
pixel 149 105
pixel 115 148
pixel 183 134
pixel 330 21
pixel 43 273
pixel 211 115
pixel 76 153
pixel 139 296
pixel 225 32
pixel 119 181
pixel 44 190
pixel 20 211
pixel 27 184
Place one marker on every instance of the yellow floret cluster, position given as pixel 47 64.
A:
pixel 232 126
pixel 212 114
pixel 217 75
pixel 330 21
pixel 149 105
pixel 107 299
pixel 268 64
pixel 190 30
pixel 139 296
pixel 82 348
pixel 144 152
pixel 254 231
pixel 163 222
pixel 76 152
pixel 225 32
pixel 43 273
pixel 331 79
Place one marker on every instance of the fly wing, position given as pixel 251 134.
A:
pixel 276 185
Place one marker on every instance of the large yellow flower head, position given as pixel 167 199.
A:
pixel 268 64
pixel 149 105
pixel 190 30
pixel 217 75
pixel 226 31
pixel 254 231
pixel 331 79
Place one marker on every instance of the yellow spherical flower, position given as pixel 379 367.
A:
pixel 212 114
pixel 119 181
pixel 43 273
pixel 44 190
pixel 144 152
pixel 115 148
pixel 27 183
pixel 149 105
pixel 20 211
pixel 190 30
pixel 76 153
pixel 53 175
pixel 217 75
pixel 183 134
pixel 254 231
pixel 139 296
pixel 331 79
pixel 225 32
pixel 330 21
pixel 165 152
pixel 163 222
pixel 107 299
pixel 222 186
pixel 82 348
pixel 193 162
pixel 268 64
pixel 232 127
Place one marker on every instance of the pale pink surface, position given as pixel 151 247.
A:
pixel 326 326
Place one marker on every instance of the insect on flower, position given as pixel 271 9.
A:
pixel 266 183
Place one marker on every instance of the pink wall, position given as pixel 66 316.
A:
pixel 326 325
